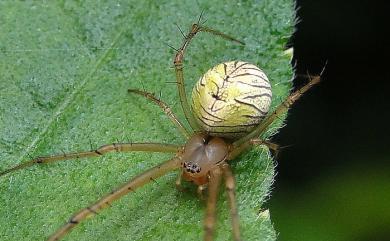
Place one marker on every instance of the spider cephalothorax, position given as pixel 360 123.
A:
pixel 201 154
pixel 229 115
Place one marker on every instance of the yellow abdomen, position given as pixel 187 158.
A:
pixel 231 98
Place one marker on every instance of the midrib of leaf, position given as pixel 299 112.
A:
pixel 71 97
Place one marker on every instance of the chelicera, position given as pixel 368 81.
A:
pixel 229 113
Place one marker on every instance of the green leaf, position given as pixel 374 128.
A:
pixel 65 70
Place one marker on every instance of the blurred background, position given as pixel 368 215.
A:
pixel 333 179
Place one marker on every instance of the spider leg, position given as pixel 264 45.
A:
pixel 272 146
pixel 167 110
pixel 210 217
pixel 282 108
pixel 256 141
pixel 178 182
pixel 106 201
pixel 178 62
pixel 230 189
pixel 118 147
pixel 200 191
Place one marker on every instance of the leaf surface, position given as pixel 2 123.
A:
pixel 66 67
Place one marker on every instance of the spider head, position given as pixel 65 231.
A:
pixel 201 154
pixel 191 167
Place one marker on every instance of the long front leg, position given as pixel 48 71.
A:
pixel 106 201
pixel 210 217
pixel 230 185
pixel 282 108
pixel 178 62
pixel 118 147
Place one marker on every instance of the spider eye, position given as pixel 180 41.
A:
pixel 191 167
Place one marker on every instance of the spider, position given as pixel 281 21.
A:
pixel 229 113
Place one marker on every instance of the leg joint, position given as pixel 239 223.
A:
pixel 73 221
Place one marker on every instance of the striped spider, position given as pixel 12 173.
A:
pixel 228 115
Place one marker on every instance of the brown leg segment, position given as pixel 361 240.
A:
pixel 119 147
pixel 210 217
pixel 106 201
pixel 282 108
pixel 178 182
pixel 165 108
pixel 230 185
pixel 246 145
pixel 272 146
pixel 178 62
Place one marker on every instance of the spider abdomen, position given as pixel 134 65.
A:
pixel 231 98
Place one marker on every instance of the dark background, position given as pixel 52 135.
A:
pixel 333 180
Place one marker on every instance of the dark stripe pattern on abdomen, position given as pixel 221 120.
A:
pixel 231 98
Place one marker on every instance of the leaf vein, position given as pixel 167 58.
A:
pixel 69 99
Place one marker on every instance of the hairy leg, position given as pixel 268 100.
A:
pixel 118 147
pixel 248 144
pixel 210 217
pixel 178 62
pixel 106 201
pixel 167 110
pixel 230 186
pixel 282 108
